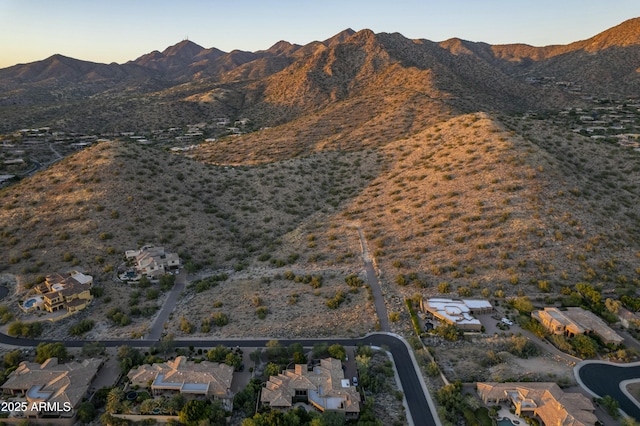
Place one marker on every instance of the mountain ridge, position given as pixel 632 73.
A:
pixel 286 81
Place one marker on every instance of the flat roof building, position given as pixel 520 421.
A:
pixel 457 312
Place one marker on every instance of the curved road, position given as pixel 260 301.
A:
pixel 420 405
pixel 604 378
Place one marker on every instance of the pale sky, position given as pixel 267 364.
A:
pixel 119 30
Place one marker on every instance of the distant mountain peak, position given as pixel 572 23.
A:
pixel 184 49
pixel 341 37
pixel 283 47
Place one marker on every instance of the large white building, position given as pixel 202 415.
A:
pixel 457 312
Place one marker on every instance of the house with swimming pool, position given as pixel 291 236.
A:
pixel 188 378
pixel 70 292
pixel 152 262
pixel 322 386
pixel 545 402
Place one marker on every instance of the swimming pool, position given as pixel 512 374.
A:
pixel 505 422
pixel 29 303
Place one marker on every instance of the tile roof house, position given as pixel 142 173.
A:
pixel 188 378
pixel 153 261
pixel 71 292
pixel 61 385
pixel 544 401
pixel 574 321
pixel 323 386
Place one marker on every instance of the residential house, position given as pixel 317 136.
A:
pixel 153 261
pixel 204 379
pixel 628 319
pixel 70 292
pixel 323 386
pixel 574 321
pixel 545 402
pixel 61 386
pixel 457 312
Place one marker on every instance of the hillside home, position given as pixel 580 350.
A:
pixel 69 292
pixel 457 312
pixel 574 321
pixel 545 402
pixel 204 379
pixel 63 386
pixel 153 261
pixel 628 319
pixel 322 386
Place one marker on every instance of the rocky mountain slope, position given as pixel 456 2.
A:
pixel 420 145
pixel 287 81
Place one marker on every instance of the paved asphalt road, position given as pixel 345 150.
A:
pixel 411 384
pixel 604 379
pixel 157 327
pixel 376 292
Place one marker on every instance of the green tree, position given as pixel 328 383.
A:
pixel 233 359
pixel 448 331
pixel 522 304
pixel 24 329
pixel 128 358
pixel 167 344
pixel 338 351
pixel 449 397
pixel 246 399
pixel 114 400
pixel 611 405
pixel 144 282
pixel 585 346
pixel 175 404
pixel 167 281
pixel 86 412
pixel 45 351
pixel 13 358
pixel 218 354
pixel 272 369
pixel 195 411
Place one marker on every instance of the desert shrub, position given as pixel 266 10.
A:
pixel 353 280
pixel 186 326
pixel 24 329
pixel 336 301
pixel 118 317
pixel 81 327
pixel 220 319
pixel 262 311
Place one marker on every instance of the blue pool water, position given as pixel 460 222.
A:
pixel 505 422
pixel 29 303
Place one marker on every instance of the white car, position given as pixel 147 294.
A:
pixel 507 321
pixel 354 381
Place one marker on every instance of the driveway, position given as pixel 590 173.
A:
pixel 374 284
pixel 155 333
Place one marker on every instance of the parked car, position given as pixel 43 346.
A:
pixel 354 381
pixel 507 321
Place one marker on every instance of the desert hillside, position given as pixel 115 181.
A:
pixel 470 170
